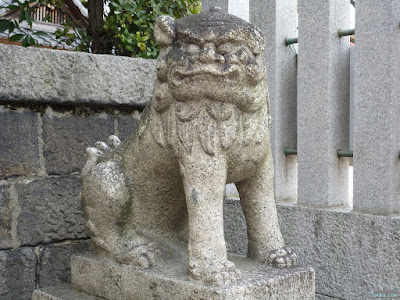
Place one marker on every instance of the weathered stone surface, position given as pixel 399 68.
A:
pixel 207 125
pixel 17 274
pixel 207 4
pixel 239 8
pixel 351 253
pixel 61 292
pixel 101 277
pixel 323 103
pixel 126 126
pixel 323 297
pixel 231 191
pixel 278 21
pixel 376 103
pixel 235 227
pixel 5 217
pixel 19 151
pixel 64 77
pixel 66 138
pixel 55 262
pixel 50 210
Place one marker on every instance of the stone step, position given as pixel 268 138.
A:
pixel 61 292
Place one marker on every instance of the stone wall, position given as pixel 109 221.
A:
pixel 54 104
pixel 353 254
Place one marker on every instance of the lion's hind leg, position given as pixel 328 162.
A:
pixel 266 243
pixel 106 202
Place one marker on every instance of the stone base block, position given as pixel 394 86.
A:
pixel 170 280
pixel 61 292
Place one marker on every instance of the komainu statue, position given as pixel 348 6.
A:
pixel 207 125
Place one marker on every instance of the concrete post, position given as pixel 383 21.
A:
pixel 238 8
pixel 323 102
pixel 207 4
pixel 278 20
pixel 376 108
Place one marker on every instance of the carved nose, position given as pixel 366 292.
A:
pixel 209 55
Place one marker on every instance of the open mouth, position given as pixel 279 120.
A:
pixel 231 73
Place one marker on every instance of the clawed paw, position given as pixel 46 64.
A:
pixel 138 255
pixel 215 273
pixel 99 150
pixel 282 258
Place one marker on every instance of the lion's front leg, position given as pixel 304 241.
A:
pixel 266 243
pixel 204 178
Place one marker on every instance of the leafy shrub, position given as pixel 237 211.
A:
pixel 69 34
pixel 131 23
pixel 128 24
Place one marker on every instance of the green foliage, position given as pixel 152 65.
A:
pixel 25 12
pixel 131 23
pixel 10 25
pixel 69 34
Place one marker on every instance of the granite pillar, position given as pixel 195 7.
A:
pixel 278 21
pixel 376 108
pixel 323 102
pixel 207 4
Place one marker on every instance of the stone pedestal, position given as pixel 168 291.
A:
pixel 61 292
pixel 103 278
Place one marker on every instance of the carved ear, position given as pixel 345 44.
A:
pixel 165 30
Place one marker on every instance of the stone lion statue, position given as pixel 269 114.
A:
pixel 207 125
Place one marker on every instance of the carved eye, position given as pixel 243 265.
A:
pixel 192 49
pixel 244 53
pixel 226 48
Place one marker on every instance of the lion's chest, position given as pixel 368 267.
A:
pixel 244 161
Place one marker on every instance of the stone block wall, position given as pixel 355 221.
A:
pixel 43 136
pixel 354 255
pixel 41 224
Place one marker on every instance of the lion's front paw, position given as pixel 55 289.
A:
pixel 282 258
pixel 215 273
pixel 138 255
pixel 98 151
